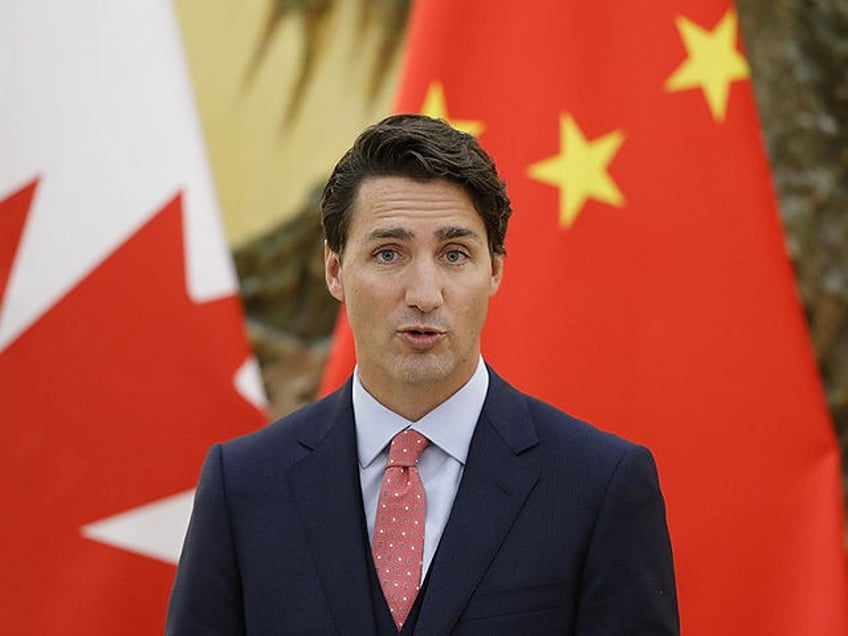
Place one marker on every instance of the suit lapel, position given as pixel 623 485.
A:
pixel 327 491
pixel 495 484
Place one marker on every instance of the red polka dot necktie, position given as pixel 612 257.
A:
pixel 399 527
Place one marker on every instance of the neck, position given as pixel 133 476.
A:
pixel 412 402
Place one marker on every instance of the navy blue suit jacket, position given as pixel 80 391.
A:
pixel 557 528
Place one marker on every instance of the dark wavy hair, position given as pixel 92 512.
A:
pixel 420 148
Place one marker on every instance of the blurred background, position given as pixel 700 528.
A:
pixel 283 87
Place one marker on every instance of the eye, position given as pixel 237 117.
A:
pixel 386 255
pixel 454 257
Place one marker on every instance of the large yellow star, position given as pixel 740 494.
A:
pixel 435 106
pixel 580 170
pixel 713 62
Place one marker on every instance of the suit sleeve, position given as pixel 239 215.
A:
pixel 206 598
pixel 628 584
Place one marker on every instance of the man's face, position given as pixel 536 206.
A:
pixel 415 276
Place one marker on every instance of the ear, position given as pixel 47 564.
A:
pixel 497 272
pixel 333 273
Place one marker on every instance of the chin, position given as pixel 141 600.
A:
pixel 424 372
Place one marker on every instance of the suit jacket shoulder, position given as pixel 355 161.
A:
pixel 276 541
pixel 574 527
pixel 271 450
pixel 519 416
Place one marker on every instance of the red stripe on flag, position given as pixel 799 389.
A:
pixel 13 213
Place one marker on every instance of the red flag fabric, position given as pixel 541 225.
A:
pixel 646 285
pixel 122 350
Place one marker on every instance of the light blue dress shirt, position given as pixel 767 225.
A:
pixel 449 428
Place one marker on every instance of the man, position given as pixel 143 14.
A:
pixel 426 496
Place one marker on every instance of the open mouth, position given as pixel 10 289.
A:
pixel 421 338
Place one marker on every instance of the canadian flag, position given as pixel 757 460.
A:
pixel 122 350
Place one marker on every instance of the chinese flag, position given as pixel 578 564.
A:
pixel 122 351
pixel 646 284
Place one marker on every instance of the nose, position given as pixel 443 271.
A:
pixel 424 287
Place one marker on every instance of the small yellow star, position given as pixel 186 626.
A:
pixel 436 107
pixel 713 62
pixel 580 170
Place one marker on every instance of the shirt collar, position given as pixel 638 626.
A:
pixel 449 426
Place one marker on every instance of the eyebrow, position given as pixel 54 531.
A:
pixel 454 232
pixel 396 233
pixel 401 234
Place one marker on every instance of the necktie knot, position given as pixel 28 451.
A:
pixel 406 448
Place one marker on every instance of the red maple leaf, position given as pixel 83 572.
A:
pixel 108 401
